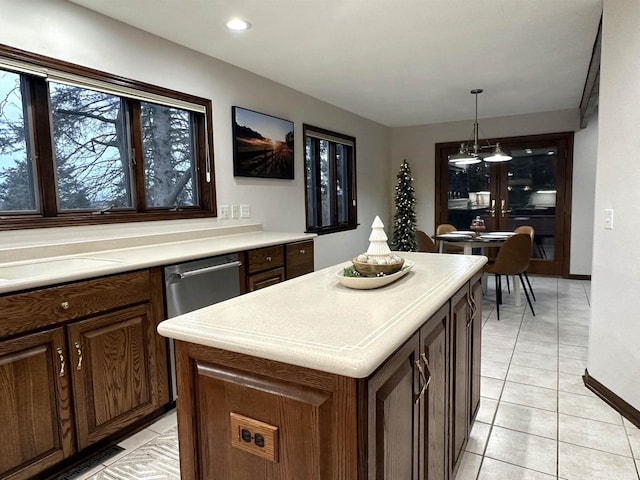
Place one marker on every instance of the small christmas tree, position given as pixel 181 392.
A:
pixel 404 220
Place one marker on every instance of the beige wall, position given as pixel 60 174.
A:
pixel 62 30
pixel 614 337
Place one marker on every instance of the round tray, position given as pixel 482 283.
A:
pixel 367 283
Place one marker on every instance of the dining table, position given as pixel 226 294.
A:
pixel 480 242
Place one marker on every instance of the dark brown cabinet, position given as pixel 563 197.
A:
pixel 407 405
pixel 35 404
pixel 99 367
pixel 299 258
pixel 466 318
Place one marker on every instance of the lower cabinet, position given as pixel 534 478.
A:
pixel 98 368
pixel 407 406
pixel 465 344
pixel 35 404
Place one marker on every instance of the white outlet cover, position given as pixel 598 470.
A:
pixel 235 211
pixel 245 211
pixel 224 212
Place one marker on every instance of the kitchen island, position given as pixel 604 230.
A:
pixel 311 380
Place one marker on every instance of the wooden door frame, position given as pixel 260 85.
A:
pixel 564 179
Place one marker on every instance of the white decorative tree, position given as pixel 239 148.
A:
pixel 378 239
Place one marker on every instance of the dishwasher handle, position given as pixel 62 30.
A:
pixel 192 273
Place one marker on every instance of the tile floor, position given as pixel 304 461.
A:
pixel 537 421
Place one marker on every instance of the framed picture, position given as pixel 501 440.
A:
pixel 262 145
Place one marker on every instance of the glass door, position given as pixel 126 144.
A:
pixel 533 189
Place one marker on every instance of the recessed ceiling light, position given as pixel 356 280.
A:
pixel 238 25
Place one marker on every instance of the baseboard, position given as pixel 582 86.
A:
pixel 579 277
pixel 613 400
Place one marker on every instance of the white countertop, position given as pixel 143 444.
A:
pixel 313 321
pixel 54 262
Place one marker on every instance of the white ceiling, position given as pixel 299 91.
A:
pixel 398 62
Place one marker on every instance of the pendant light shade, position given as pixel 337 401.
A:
pixel 498 155
pixel 468 155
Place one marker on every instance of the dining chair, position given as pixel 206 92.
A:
pixel 447 228
pixel 512 259
pixel 425 244
pixel 532 233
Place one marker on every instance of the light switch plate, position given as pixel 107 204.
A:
pixel 245 211
pixel 224 212
pixel 235 211
pixel 608 218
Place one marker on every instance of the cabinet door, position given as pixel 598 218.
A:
pixel 35 404
pixel 433 408
pixel 475 336
pixel 299 257
pixel 459 374
pixel 114 371
pixel 393 418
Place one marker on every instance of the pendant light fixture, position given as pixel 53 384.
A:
pixel 470 154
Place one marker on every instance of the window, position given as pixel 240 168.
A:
pixel 330 180
pixel 79 146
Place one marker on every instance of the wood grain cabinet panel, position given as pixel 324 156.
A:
pixel 114 374
pixel 35 404
pixel 475 346
pixel 299 257
pixel 266 258
pixel 266 279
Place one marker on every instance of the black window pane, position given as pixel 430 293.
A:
pixel 342 179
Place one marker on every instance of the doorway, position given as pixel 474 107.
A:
pixel 533 188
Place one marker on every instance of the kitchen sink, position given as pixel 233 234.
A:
pixel 47 268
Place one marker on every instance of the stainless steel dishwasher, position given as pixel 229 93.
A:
pixel 196 284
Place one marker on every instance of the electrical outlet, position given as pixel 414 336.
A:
pixel 224 212
pixel 235 211
pixel 254 436
pixel 608 218
pixel 245 211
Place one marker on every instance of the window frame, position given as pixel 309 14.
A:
pixel 47 213
pixel 314 190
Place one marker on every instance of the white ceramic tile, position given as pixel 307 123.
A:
pixel 579 463
pixel 491 387
pixel 131 443
pixel 577 340
pixel 549 337
pixel 573 384
pixel 573 366
pixel 594 434
pixel 531 346
pixel 633 434
pixel 530 396
pixel 587 407
pixel 574 330
pixel 522 449
pixel 496 341
pixel 478 437
pixel 495 469
pixel 469 466
pixel 487 410
pixel 528 420
pixel 535 360
pixel 165 422
pixel 533 376
pixel 496 354
pixel 494 369
pixel 571 351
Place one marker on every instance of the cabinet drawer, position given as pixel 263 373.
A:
pixel 266 279
pixel 299 258
pixel 31 310
pixel 265 258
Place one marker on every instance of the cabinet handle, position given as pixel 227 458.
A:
pixel 492 210
pixel 65 305
pixel 79 350
pixel 302 251
pixel 426 364
pixel 425 380
pixel 503 208
pixel 268 259
pixel 61 358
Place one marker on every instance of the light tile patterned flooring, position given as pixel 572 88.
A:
pixel 537 421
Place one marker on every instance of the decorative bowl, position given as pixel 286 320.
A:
pixel 371 270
